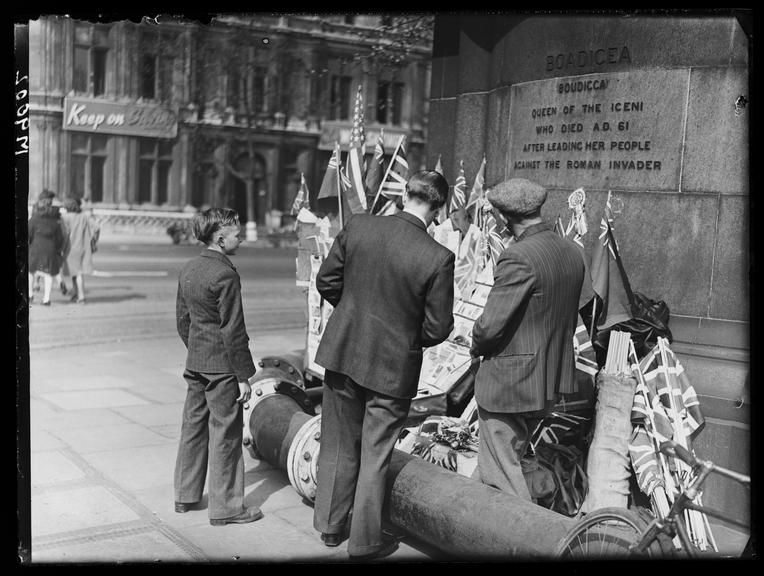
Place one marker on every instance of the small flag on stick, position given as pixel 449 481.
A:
pixel 301 200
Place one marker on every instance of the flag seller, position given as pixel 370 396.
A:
pixel 392 288
pixel 524 335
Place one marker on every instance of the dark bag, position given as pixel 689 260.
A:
pixel 649 318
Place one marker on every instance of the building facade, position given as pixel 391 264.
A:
pixel 170 115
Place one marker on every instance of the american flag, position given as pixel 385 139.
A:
pixel 301 200
pixel 356 196
pixel 458 198
pixel 375 170
pixel 475 202
pixel 394 182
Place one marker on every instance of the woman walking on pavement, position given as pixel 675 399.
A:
pixel 46 245
pixel 219 365
pixel 82 232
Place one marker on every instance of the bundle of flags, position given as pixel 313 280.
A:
pixel 665 407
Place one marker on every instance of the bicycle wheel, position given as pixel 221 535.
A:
pixel 606 533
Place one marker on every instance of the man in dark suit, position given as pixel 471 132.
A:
pixel 210 321
pixel 525 334
pixel 392 287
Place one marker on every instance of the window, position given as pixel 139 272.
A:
pixel 339 99
pixel 154 165
pixel 383 89
pixel 88 164
pixel 349 19
pixel 91 47
pixel 234 89
pixel 155 67
pixel 390 102
pixel 259 88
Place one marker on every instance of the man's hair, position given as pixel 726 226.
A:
pixel 208 222
pixel 73 205
pixel 429 187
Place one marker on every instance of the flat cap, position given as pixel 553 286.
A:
pixel 517 196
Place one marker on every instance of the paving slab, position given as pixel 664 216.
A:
pixel 52 467
pixel 66 510
pixel 42 441
pixel 86 382
pixel 151 546
pixel 161 394
pixel 271 539
pixel 169 431
pixel 138 468
pixel 153 415
pixel 93 399
pixel 109 438
pixel 74 419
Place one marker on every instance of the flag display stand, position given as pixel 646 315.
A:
pixel 442 422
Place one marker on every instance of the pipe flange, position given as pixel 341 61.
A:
pixel 302 459
pixel 263 388
pixel 286 366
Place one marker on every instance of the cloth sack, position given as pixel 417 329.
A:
pixel 608 466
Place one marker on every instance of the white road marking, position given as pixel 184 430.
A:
pixel 151 273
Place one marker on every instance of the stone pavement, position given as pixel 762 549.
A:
pixel 104 428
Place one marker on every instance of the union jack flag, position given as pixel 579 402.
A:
pixel 554 426
pixel 475 202
pixel 301 199
pixel 493 238
pixel 607 283
pixel 394 181
pixel 329 186
pixel 443 212
pixel 375 170
pixel 458 198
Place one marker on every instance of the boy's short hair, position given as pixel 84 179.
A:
pixel 428 186
pixel 208 222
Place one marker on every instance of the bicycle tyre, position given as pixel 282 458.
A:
pixel 607 533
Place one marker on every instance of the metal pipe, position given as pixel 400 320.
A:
pixel 460 516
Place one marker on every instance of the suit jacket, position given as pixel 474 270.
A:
pixel 392 287
pixel 525 333
pixel 210 317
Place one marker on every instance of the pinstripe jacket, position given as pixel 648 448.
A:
pixel 392 287
pixel 210 317
pixel 525 333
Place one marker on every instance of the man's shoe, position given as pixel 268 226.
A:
pixel 183 507
pixel 388 547
pixel 249 515
pixel 332 540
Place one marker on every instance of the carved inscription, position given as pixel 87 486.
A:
pixel 601 130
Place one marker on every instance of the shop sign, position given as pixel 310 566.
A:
pixel 340 132
pixel 126 119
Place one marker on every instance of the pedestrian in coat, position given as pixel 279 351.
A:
pixel 392 288
pixel 46 245
pixel 219 365
pixel 82 233
pixel 524 335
